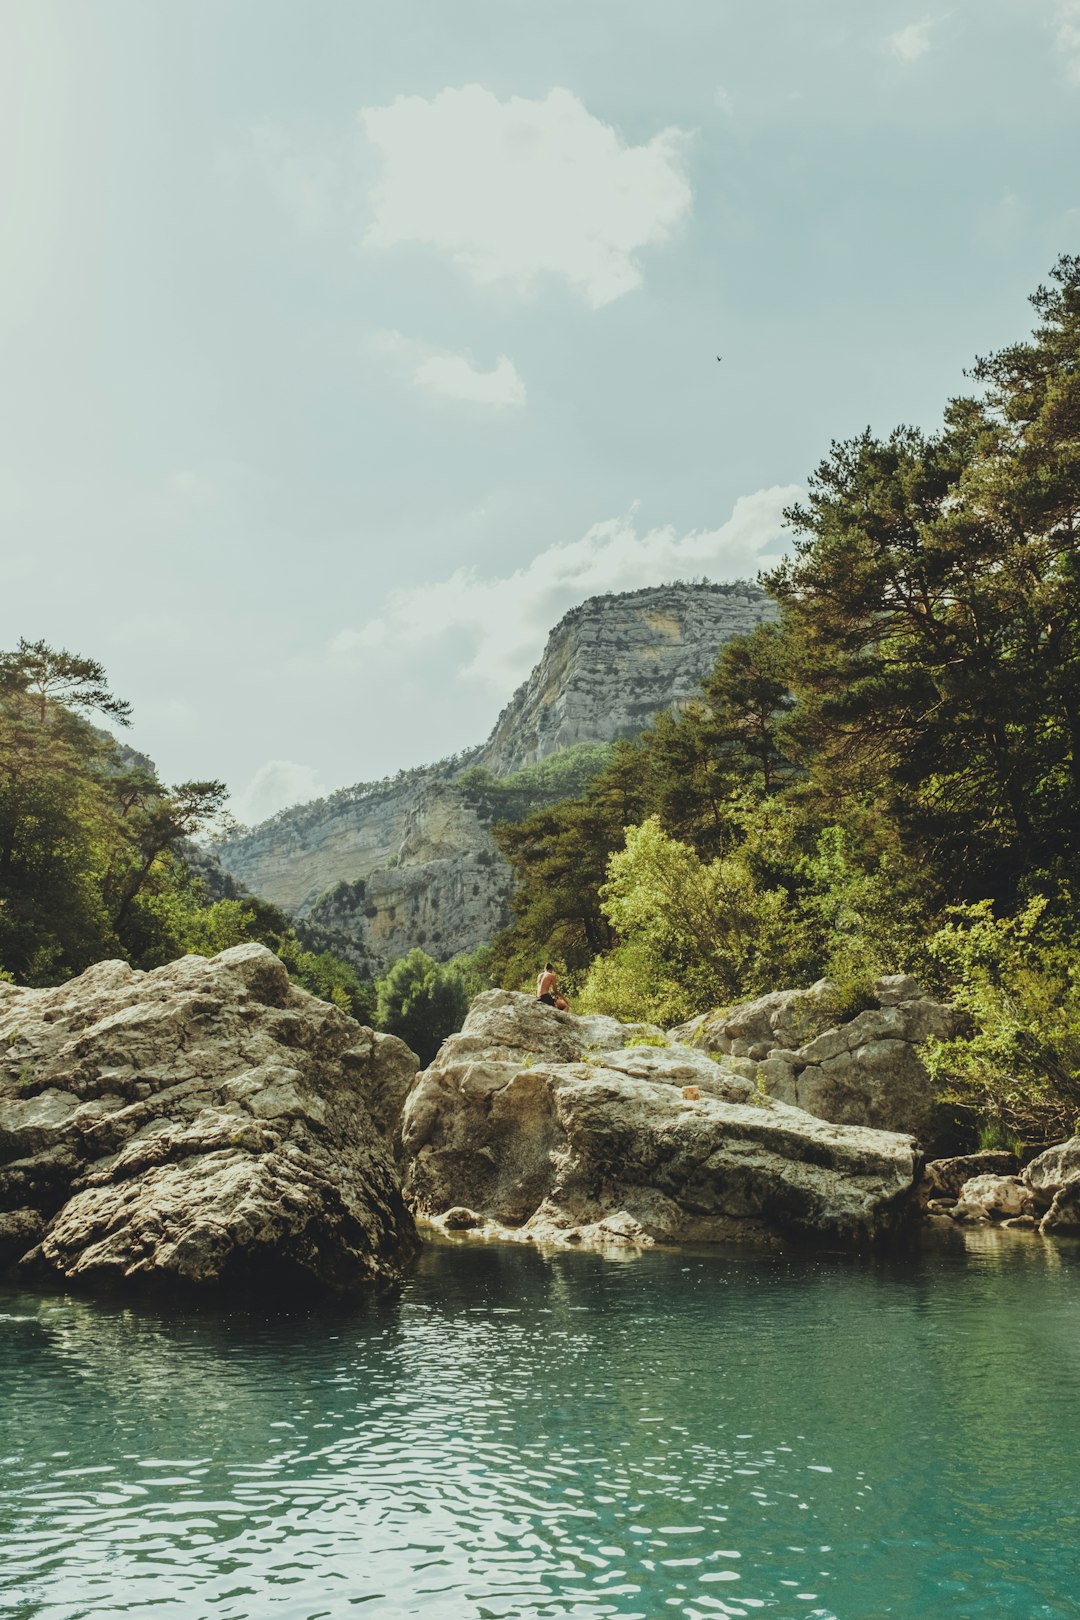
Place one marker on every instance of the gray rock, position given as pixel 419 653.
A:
pixel 206 1123
pixel 897 987
pixel 784 1018
pixel 1054 1170
pixel 883 1084
pixel 995 1197
pixel 1063 1216
pixel 380 867
pixel 943 1178
pixel 546 1124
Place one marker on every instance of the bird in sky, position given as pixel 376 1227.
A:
pixel 719 357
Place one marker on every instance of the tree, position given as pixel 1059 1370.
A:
pixel 422 1002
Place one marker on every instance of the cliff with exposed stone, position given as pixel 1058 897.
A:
pixel 375 869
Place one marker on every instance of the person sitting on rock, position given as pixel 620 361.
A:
pixel 547 985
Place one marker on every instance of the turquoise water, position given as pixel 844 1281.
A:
pixel 690 1435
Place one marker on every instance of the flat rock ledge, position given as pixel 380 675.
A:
pixel 543 1126
pixel 207 1124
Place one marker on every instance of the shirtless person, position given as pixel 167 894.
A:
pixel 547 985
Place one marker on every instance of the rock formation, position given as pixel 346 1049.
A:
pixel 584 1129
pixel 866 1071
pixel 984 1187
pixel 375 869
pixel 205 1123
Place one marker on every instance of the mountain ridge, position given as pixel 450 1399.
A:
pixel 384 865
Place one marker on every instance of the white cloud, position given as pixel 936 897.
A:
pixel 1066 17
pixel 909 43
pixel 513 191
pixel 507 618
pixel 446 376
pixel 275 785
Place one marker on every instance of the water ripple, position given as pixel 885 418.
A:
pixel 543 1438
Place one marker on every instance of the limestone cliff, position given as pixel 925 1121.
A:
pixel 374 869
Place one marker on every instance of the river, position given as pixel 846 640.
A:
pixel 514 1434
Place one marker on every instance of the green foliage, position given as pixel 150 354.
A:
pixel 1019 978
pixel 648 1040
pixel 422 1002
pixel 903 743
pixel 326 975
pixel 474 968
pixel 91 844
pixel 701 930
pixel 535 787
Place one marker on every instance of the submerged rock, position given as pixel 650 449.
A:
pixel 584 1128
pixel 207 1122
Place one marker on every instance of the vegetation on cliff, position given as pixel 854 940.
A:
pixel 889 777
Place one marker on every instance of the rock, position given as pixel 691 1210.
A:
pixel 1054 1170
pixel 1063 1216
pixel 897 987
pixel 883 1084
pixel 547 1123
pixel 206 1123
pixel 380 867
pixel 460 1219
pixel 943 1178
pixel 995 1197
pixel 1020 1223
pixel 866 1071
pixel 785 1018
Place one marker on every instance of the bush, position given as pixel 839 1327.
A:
pixel 1019 979
pixel 422 1002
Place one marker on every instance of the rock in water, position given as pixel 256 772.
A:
pixel 580 1127
pixel 206 1123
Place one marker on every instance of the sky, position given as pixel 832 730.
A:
pixel 344 346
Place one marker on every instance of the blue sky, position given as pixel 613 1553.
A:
pixel 344 346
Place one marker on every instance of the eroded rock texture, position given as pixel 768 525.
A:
pixel 206 1123
pixel 564 1128
pixel 866 1071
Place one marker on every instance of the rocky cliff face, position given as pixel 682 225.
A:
pixel 378 868
pixel 616 661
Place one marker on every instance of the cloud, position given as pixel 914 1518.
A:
pixel 1066 20
pixel 909 43
pixel 448 377
pixel 515 191
pixel 506 619
pixel 275 785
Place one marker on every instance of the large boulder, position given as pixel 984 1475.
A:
pixel 865 1071
pixel 206 1123
pixel 1054 1181
pixel 572 1128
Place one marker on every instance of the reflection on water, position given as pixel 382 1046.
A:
pixel 514 1434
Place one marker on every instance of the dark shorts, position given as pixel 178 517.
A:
pixel 548 1000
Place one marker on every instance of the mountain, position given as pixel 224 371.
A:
pixel 377 868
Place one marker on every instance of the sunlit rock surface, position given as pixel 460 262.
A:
pixel 867 1070
pixel 572 1129
pixel 207 1123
